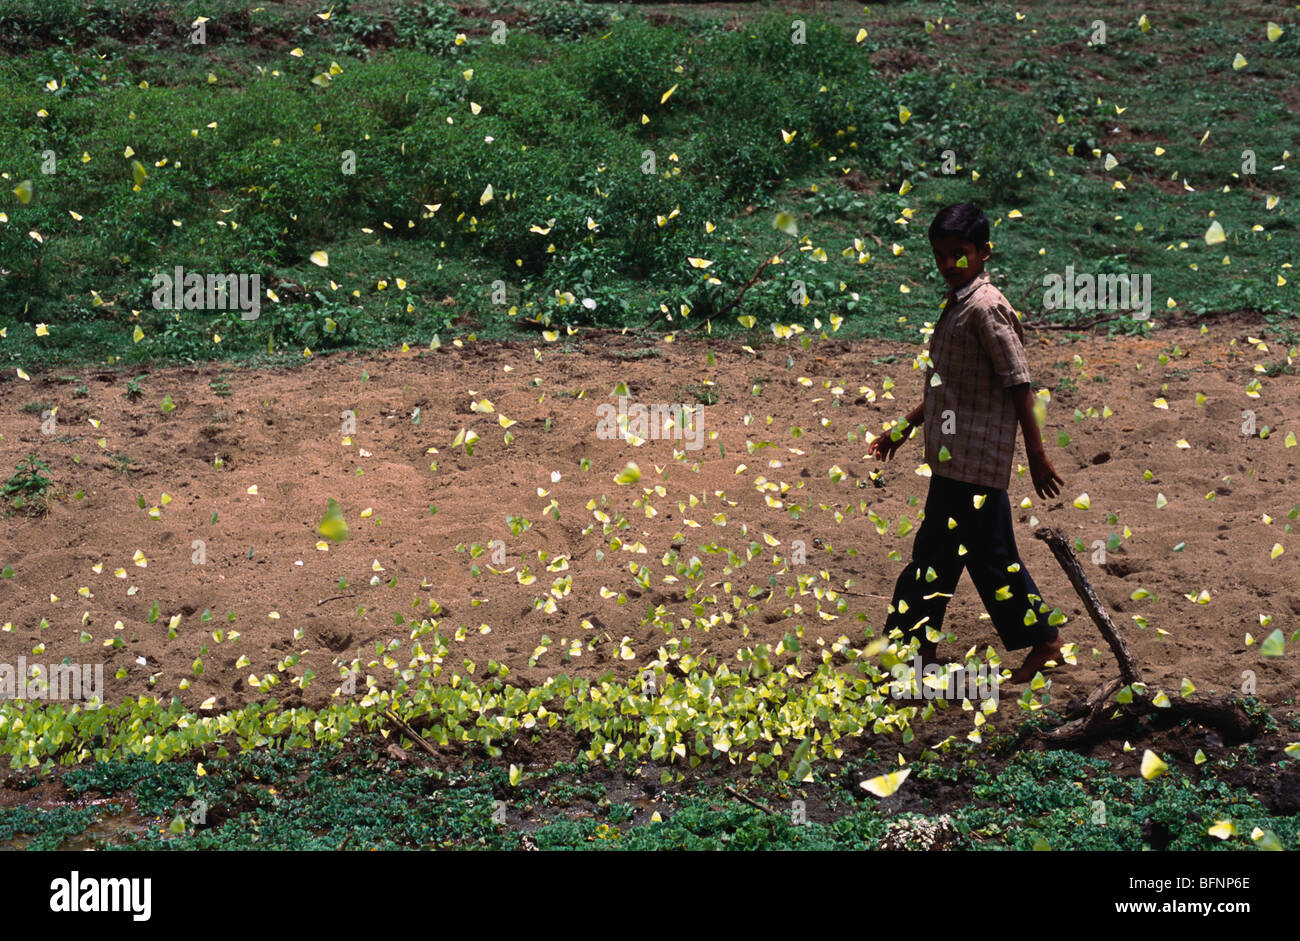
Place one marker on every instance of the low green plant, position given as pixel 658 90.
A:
pixel 28 484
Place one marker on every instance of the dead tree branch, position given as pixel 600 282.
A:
pixel 1221 713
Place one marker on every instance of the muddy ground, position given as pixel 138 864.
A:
pixel 282 432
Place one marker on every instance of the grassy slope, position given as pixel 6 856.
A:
pixel 989 86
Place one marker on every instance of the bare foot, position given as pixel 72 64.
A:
pixel 1037 659
pixel 929 653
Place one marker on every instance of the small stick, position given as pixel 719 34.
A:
pixel 1064 553
pixel 753 278
pixel 411 733
pixel 735 300
pixel 749 800
pixel 333 598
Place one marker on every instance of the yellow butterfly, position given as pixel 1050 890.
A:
pixel 886 784
pixel 333 526
pixel 1152 766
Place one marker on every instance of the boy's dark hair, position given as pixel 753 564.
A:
pixel 964 221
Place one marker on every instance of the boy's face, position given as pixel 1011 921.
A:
pixel 948 252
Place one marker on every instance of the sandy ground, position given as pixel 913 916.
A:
pixel 282 433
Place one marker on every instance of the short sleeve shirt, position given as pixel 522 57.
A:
pixel 977 354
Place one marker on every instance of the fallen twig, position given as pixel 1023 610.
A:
pixel 1060 546
pixel 333 598
pixel 1224 714
pixel 749 800
pixel 410 733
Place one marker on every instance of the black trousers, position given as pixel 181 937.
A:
pixel 953 523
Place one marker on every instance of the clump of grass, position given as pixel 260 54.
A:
pixel 27 486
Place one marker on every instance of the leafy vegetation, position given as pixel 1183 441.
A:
pixel 615 149
pixel 391 174
pixel 713 711
pixel 28 483
pixel 351 797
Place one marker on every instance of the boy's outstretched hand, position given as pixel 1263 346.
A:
pixel 885 446
pixel 1047 483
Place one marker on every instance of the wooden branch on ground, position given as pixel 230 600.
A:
pixel 860 594
pixel 1221 713
pixel 333 598
pixel 1061 548
pixel 749 800
pixel 1077 729
pixel 410 733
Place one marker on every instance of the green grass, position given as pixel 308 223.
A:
pixel 355 797
pixel 563 100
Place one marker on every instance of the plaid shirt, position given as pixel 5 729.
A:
pixel 976 354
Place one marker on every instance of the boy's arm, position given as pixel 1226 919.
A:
pixel 885 446
pixel 1047 483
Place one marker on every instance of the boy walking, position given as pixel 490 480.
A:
pixel 976 392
